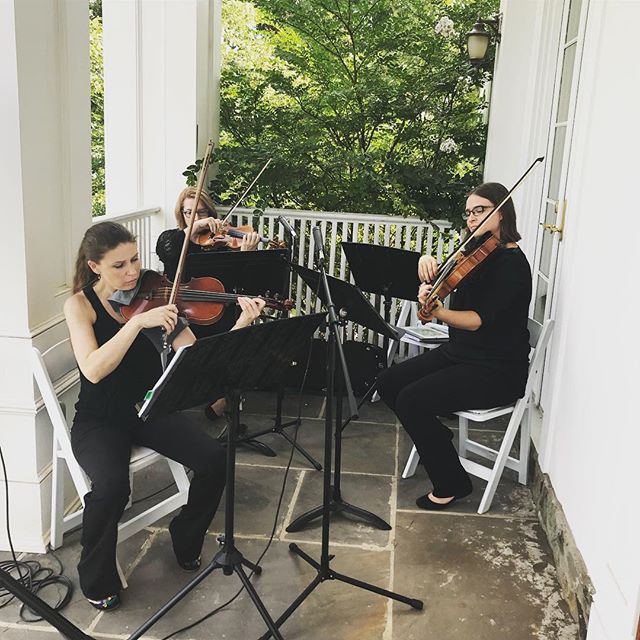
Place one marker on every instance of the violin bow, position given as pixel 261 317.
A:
pixel 246 191
pixel 185 244
pixel 443 271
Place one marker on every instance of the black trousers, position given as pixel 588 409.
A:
pixel 103 449
pixel 432 384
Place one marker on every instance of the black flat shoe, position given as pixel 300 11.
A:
pixel 106 604
pixel 191 565
pixel 210 414
pixel 424 502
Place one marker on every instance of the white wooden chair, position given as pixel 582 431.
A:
pixel 539 339
pixel 58 363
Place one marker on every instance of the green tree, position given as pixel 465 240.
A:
pixel 97 108
pixel 364 105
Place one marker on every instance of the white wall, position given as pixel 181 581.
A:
pixel 591 435
pixel 45 179
pixel 161 60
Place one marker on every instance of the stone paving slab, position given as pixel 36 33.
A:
pixel 481 578
pixel 328 613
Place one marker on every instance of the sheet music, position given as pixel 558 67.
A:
pixel 151 394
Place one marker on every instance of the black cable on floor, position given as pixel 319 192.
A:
pixel 30 573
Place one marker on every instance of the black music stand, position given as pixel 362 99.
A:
pixel 323 568
pixel 265 272
pixel 385 271
pixel 248 358
pixel 353 306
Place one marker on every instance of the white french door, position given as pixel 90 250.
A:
pixel 554 206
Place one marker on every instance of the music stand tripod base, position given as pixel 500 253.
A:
pixel 252 357
pixel 323 567
pixel 360 310
pixel 279 429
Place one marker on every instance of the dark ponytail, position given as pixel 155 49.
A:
pixel 98 239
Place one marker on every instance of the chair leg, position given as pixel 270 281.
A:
pixel 412 463
pixel 180 476
pixel 123 580
pixel 130 501
pixel 57 501
pixel 391 354
pixel 463 436
pixel 503 454
pixel 525 444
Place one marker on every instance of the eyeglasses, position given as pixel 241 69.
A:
pixel 476 211
pixel 201 213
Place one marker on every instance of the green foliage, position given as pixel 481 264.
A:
pixel 361 103
pixel 97 114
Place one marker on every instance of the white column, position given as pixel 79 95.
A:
pixel 161 62
pixel 45 179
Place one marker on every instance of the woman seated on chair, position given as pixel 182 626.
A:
pixel 118 364
pixel 169 247
pixel 485 362
pixel 169 243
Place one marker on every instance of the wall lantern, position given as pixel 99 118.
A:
pixel 478 39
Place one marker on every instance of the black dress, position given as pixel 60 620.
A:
pixel 474 370
pixel 104 429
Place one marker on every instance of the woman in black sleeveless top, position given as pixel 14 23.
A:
pixel 118 364
pixel 485 362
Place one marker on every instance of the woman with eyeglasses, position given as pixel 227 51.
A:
pixel 118 363
pixel 485 362
pixel 169 247
pixel 169 243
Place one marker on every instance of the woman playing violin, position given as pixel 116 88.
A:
pixel 169 243
pixel 118 364
pixel 485 362
pixel 169 246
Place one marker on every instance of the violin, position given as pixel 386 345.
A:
pixel 471 253
pixel 465 263
pixel 200 300
pixel 232 239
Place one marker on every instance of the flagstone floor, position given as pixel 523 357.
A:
pixel 488 577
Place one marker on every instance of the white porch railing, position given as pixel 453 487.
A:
pixel 145 225
pixel 434 238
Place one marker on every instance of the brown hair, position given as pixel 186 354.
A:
pixel 190 192
pixel 495 192
pixel 98 239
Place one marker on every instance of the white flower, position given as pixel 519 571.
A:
pixel 444 27
pixel 448 145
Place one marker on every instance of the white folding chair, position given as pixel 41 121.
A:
pixel 58 363
pixel 539 336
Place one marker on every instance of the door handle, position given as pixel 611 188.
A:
pixel 552 228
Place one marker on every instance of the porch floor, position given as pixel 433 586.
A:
pixel 488 577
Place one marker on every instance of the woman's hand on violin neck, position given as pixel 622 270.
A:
pixel 427 268
pixel 165 317
pixel 212 225
pixel 250 242
pixel 251 310
pixel 423 293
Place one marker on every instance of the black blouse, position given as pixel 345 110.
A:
pixel 499 291
pixel 168 249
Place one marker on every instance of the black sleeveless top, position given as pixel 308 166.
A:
pixel 115 396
